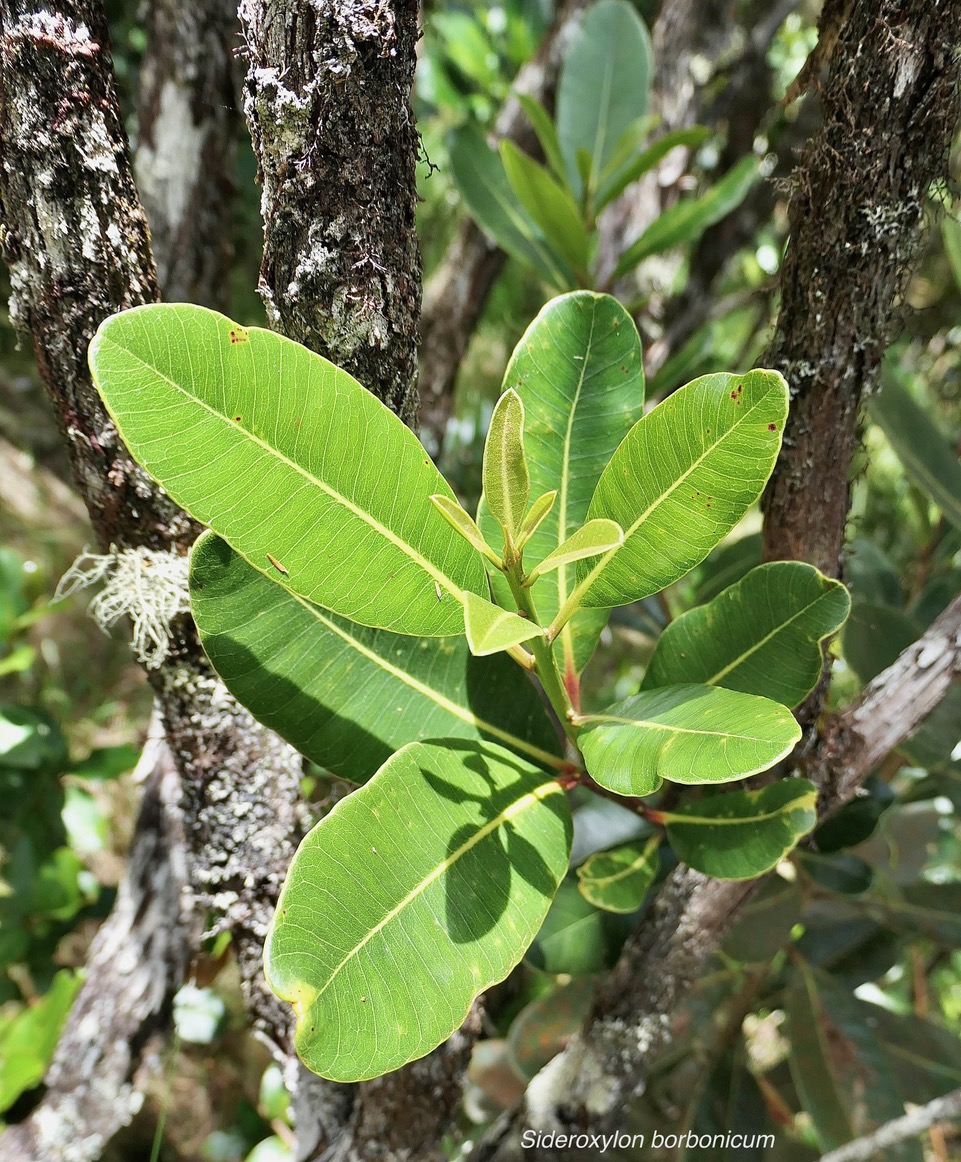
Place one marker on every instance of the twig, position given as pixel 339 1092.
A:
pixel 899 1130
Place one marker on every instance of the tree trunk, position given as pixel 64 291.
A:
pixel 327 99
pixel 187 145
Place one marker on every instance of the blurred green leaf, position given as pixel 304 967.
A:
pixel 621 171
pixel 688 219
pixel 874 636
pixel 842 1075
pixel 479 173
pixel 576 937
pixel 920 445
pixel 542 1028
pixel 550 205
pixel 617 880
pixel 603 87
pixel 28 1039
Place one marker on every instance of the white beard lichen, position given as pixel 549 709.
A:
pixel 148 585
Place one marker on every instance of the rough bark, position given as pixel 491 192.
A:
pixel 76 244
pixel 187 143
pixel 457 292
pixel 136 964
pixel 890 107
pixel 327 101
pixel 893 92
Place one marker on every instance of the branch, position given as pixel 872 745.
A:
pixel 910 1126
pixel 890 109
pixel 327 100
pixel 457 292
pixel 135 965
pixel 187 145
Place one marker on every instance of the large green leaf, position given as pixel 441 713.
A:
pixel 761 636
pixel 743 834
pixel 682 478
pixel 413 895
pixel 926 454
pixel 578 371
pixel 479 173
pixel 687 220
pixel 300 469
pixel 603 86
pixel 344 695
pixel 28 1038
pixel 685 734
pixel 617 880
pixel 842 1074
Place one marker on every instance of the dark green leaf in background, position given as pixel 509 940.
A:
pixel 603 87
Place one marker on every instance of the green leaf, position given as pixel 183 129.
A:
pixel 460 520
pixel 603 86
pixel 535 517
pixel 344 695
pixel 507 481
pixel 682 478
pixel 578 371
pixel 686 734
pixel 763 926
pixel 590 540
pixel 283 455
pixel 483 184
pixel 874 636
pixel 627 170
pixel 28 1039
pixel 687 220
pixel 925 1057
pixel 427 884
pixel 932 910
pixel 927 456
pixel 842 1075
pixel 546 134
pixel 577 938
pixel 743 834
pixel 491 629
pixel 760 636
pixel 542 1028
pixel 619 879
pixel 549 204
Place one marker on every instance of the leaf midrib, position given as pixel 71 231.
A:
pixel 803 803
pixel 759 645
pixel 590 720
pixel 511 812
pixel 440 577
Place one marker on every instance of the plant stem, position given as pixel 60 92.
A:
pixel 544 664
